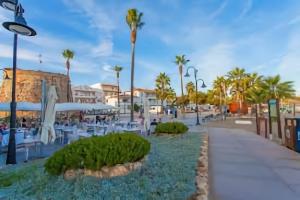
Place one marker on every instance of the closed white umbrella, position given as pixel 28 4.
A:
pixel 49 119
pixel 146 114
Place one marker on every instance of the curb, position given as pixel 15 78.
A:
pixel 202 181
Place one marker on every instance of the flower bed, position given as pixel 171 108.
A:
pixel 171 128
pixel 167 173
pixel 94 153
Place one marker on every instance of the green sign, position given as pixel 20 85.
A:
pixel 273 107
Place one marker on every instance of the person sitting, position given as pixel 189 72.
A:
pixel 154 123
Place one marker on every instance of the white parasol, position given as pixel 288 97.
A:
pixel 146 114
pixel 49 119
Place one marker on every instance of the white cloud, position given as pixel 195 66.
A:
pixel 105 48
pixel 219 10
pixel 289 66
pixel 216 61
pixel 247 7
pixel 98 18
pixel 24 54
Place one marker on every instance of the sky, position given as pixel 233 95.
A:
pixel 215 35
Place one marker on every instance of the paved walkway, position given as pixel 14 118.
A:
pixel 244 166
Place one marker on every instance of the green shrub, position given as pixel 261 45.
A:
pixel 95 152
pixel 171 128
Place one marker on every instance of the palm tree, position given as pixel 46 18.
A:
pixel 180 60
pixel 68 55
pixel 134 21
pixel 171 97
pixel 277 89
pixel 238 80
pixel 118 69
pixel 162 89
pixel 190 88
pixel 220 87
pixel 257 96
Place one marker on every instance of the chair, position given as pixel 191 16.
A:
pixel 152 128
pixel 59 135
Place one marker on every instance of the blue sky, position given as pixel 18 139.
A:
pixel 216 35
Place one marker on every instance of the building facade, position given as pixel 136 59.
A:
pixel 108 89
pixel 125 104
pixel 138 99
pixel 29 85
pixel 87 94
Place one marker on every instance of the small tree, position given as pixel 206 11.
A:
pixel 163 88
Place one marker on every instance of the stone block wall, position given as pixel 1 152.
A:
pixel 29 85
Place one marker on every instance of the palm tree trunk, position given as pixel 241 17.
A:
pixel 181 80
pixel 118 82
pixel 257 119
pixel 68 76
pixel 181 83
pixel 132 82
pixel 162 106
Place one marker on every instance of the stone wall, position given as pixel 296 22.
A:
pixel 28 86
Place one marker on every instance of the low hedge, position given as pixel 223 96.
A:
pixel 171 128
pixel 98 151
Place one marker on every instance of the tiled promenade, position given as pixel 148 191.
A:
pixel 244 166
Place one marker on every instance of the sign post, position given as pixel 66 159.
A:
pixel 274 115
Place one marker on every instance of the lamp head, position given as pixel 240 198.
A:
pixel 9 4
pixel 203 85
pixel 19 26
pixel 187 74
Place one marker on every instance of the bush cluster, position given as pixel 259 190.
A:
pixel 98 151
pixel 171 128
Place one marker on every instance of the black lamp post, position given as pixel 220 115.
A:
pixel 18 26
pixel 196 82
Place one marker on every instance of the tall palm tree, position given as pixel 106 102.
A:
pixel 134 21
pixel 118 69
pixel 180 60
pixel 68 55
pixel 277 89
pixel 163 88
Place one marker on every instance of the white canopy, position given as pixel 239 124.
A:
pixel 21 106
pixel 82 107
pixel 27 106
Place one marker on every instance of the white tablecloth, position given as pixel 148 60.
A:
pixel 19 138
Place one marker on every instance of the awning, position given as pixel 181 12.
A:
pixel 21 106
pixel 82 107
pixel 27 106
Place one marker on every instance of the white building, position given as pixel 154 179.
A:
pixel 139 95
pixel 124 102
pixel 87 94
pixel 107 88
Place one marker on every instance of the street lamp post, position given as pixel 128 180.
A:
pixel 18 26
pixel 196 82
